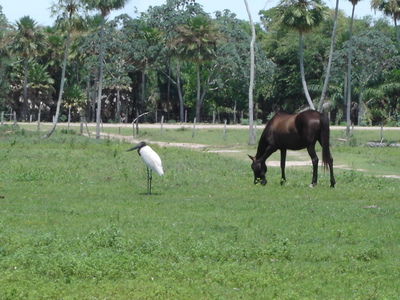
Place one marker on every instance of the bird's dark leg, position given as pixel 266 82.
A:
pixel 149 177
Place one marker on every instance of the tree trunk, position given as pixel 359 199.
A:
pixel 303 76
pixel 349 58
pixel 88 102
pixel 143 88
pixel 178 83
pixel 328 70
pixel 94 98
pixel 360 110
pixel 397 31
pixel 251 84
pixel 118 105
pixel 99 93
pixel 39 113
pixel 178 86
pixel 69 117
pixel 61 88
pixel 25 92
pixel 199 100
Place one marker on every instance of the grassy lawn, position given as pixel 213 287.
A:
pixel 76 222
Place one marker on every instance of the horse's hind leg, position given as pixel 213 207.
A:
pixel 283 163
pixel 330 163
pixel 314 160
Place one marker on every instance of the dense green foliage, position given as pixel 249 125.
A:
pixel 76 223
pixel 177 61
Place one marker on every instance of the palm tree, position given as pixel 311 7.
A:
pixel 68 19
pixel 74 97
pixel 349 58
pixel 27 42
pixel 41 86
pixel 4 41
pixel 328 70
pixel 196 42
pixel 389 8
pixel 105 7
pixel 303 16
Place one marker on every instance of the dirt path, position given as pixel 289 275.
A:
pixel 198 126
pixel 302 156
pixel 161 144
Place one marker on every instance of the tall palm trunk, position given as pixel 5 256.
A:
pixel 349 58
pixel 61 88
pixel 99 93
pixel 251 84
pixel 328 70
pixel 178 83
pixel 303 77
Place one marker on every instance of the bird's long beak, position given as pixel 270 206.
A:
pixel 137 146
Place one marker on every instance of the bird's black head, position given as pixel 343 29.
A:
pixel 259 169
pixel 138 146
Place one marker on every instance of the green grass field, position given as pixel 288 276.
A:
pixel 76 222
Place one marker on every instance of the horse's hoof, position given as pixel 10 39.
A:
pixel 312 185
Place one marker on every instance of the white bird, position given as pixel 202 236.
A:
pixel 151 160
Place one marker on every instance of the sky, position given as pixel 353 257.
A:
pixel 39 9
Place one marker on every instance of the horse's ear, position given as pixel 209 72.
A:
pixel 251 157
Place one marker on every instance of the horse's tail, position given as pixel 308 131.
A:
pixel 325 132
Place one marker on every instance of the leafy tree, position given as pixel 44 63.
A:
pixel 141 54
pixel 117 75
pixel 68 19
pixel 389 8
pixel 85 53
pixel 303 16
pixel 75 98
pixel 383 101
pixel 4 57
pixel 168 18
pixel 41 86
pixel 27 42
pixel 349 57
pixel 105 7
pixel 373 55
pixel 196 41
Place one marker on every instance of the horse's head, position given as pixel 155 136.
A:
pixel 259 169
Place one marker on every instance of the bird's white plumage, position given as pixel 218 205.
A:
pixel 151 159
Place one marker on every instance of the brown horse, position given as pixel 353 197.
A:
pixel 293 132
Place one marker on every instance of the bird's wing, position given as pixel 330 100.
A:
pixel 152 160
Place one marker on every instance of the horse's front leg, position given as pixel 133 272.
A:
pixel 314 160
pixel 283 163
pixel 263 172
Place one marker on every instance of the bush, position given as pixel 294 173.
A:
pixel 246 122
